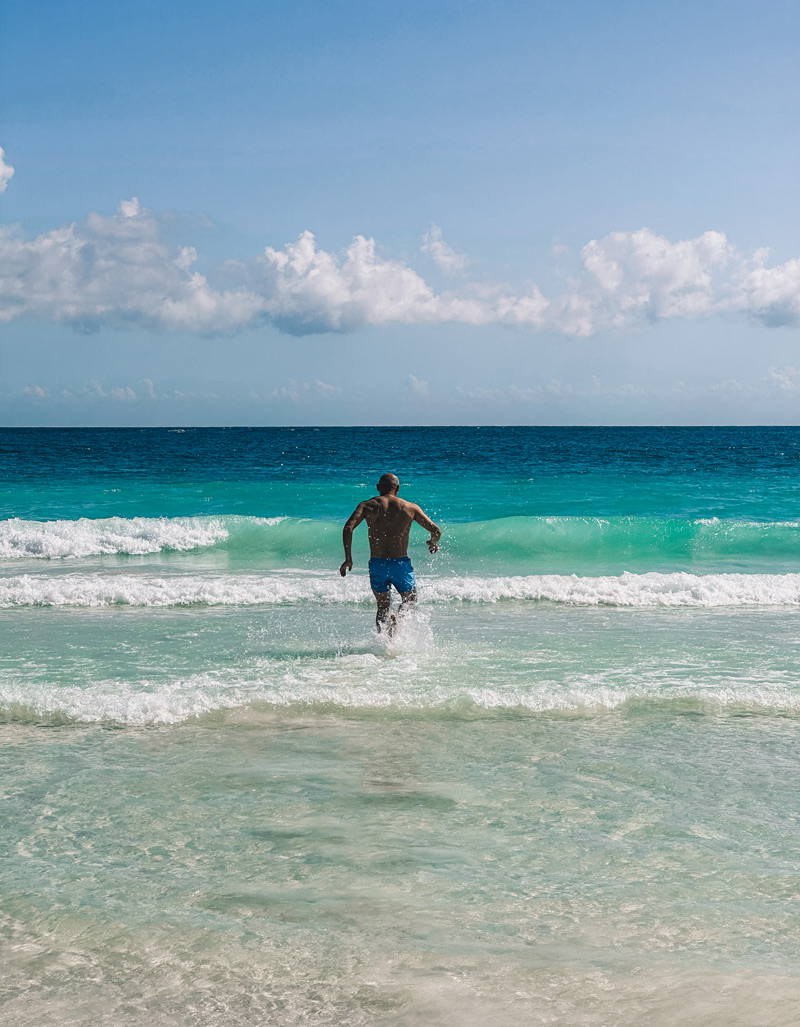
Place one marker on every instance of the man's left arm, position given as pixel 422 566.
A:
pixel 425 522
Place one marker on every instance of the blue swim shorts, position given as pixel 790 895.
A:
pixel 397 572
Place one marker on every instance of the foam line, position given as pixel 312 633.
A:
pixel 351 685
pixel 626 590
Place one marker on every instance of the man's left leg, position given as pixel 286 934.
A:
pixel 408 600
pixel 406 584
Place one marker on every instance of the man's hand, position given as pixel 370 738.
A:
pixel 346 566
pixel 433 545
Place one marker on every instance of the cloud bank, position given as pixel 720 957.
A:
pixel 119 270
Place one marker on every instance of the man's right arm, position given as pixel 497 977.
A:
pixel 353 521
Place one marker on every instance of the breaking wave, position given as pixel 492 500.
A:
pixel 652 589
pixel 537 543
pixel 136 536
pixel 352 684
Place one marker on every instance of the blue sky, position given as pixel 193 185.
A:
pixel 562 213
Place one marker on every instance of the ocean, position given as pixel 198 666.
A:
pixel 566 793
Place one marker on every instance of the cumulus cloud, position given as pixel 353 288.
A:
pixel 113 271
pixel 121 270
pixel 630 276
pixel 6 171
pixel 771 294
pixel 131 208
pixel 36 391
pixel 448 259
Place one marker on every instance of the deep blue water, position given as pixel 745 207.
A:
pixel 458 473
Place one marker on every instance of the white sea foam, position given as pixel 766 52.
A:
pixel 627 590
pixel 52 540
pixel 409 680
pixel 639 590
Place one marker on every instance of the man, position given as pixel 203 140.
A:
pixel 389 521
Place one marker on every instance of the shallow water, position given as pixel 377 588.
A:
pixel 442 866
pixel 566 793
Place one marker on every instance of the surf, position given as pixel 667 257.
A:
pixel 579 544
pixel 298 587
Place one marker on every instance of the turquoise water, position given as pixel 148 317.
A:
pixel 565 794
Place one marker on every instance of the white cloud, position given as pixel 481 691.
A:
pixel 558 388
pixel 118 271
pixel 632 277
pixel 417 386
pixel 131 208
pixel 303 289
pixel 561 393
pixel 786 379
pixel 772 294
pixel 113 271
pixel 289 391
pixel 296 392
pixel 95 392
pixel 506 394
pixel 92 390
pixel 448 259
pixel 6 171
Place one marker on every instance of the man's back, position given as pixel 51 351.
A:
pixel 389 521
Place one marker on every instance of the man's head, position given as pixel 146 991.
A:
pixel 388 485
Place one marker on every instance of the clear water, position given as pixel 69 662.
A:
pixel 566 794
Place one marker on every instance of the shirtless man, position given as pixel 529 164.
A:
pixel 389 521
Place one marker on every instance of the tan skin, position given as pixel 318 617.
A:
pixel 389 521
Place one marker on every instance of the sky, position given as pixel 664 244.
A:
pixel 474 212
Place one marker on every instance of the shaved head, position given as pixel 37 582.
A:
pixel 388 483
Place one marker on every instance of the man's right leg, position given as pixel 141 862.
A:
pixel 384 621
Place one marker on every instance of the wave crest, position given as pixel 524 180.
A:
pixel 552 544
pixel 351 688
pixel 626 590
pixel 109 536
